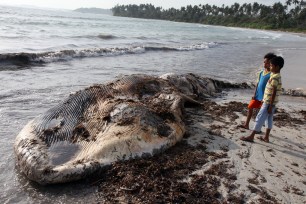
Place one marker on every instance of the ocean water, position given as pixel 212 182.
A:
pixel 47 54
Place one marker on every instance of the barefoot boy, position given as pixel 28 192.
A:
pixel 270 99
pixel 262 80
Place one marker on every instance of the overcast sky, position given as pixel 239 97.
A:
pixel 73 4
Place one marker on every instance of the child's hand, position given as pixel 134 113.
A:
pixel 270 109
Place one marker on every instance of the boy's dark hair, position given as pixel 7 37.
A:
pixel 270 55
pixel 278 61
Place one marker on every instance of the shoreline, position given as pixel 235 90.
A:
pixel 301 33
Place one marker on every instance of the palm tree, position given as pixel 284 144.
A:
pixel 250 15
pixel 296 2
pixel 255 9
pixel 288 2
pixel 279 14
pixel 235 8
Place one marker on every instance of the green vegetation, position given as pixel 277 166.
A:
pixel 289 17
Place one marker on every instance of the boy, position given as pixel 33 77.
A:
pixel 272 91
pixel 262 80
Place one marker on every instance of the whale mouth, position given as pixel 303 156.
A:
pixel 62 152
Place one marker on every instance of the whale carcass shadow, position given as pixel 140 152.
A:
pixel 134 116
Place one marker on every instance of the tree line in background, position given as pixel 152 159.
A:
pixel 289 16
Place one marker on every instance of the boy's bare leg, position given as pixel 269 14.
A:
pixel 249 116
pixel 266 138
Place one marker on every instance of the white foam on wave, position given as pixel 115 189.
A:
pixel 200 46
pixel 262 37
pixel 64 55
pixel 69 54
pixel 271 34
pixel 138 50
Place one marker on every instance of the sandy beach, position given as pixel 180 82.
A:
pixel 278 167
pixel 211 164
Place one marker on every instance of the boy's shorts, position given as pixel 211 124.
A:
pixel 254 104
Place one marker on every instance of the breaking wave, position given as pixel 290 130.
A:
pixel 65 55
pixel 106 36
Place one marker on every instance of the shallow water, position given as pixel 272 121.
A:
pixel 131 46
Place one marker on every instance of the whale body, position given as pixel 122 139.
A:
pixel 134 116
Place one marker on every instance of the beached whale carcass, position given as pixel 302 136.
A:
pixel 130 117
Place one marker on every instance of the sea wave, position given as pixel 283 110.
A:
pixel 69 54
pixel 100 36
pixel 106 36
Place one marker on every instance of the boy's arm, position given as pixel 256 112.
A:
pixel 272 99
pixel 258 78
pixel 255 92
